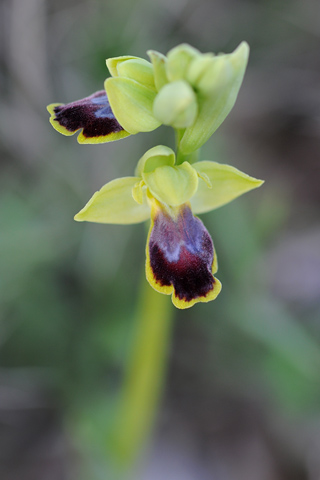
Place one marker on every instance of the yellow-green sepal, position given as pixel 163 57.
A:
pixel 227 183
pixel 159 62
pixel 115 204
pixel 218 85
pixel 172 186
pixel 131 104
pixel 155 157
pixel 176 105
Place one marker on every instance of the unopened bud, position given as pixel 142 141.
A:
pixel 176 105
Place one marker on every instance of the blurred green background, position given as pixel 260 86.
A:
pixel 242 396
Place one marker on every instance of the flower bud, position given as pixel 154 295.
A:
pixel 179 59
pixel 222 70
pixel 218 79
pixel 176 105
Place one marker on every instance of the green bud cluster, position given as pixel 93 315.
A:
pixel 188 90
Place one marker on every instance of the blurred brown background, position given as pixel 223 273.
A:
pixel 242 397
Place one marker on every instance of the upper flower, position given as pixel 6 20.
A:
pixel 188 90
pixel 180 255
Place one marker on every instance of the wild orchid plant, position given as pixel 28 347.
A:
pixel 193 93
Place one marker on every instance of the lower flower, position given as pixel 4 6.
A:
pixel 181 259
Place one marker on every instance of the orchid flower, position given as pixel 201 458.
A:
pixel 180 257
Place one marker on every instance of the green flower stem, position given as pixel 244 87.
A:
pixel 144 376
pixel 191 158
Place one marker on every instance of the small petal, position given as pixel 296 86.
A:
pixel 172 185
pixel 139 70
pixel 227 183
pixel 180 257
pixel 132 104
pixel 159 62
pixel 139 192
pixel 114 62
pixel 114 203
pixel 92 114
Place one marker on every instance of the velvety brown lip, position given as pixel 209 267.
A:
pixel 181 254
pixel 93 114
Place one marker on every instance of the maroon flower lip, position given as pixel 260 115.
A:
pixel 181 257
pixel 92 114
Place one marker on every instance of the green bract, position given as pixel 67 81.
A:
pixel 188 90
